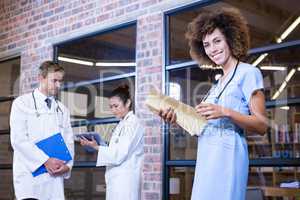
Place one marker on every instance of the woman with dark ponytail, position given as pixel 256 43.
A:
pixel 123 156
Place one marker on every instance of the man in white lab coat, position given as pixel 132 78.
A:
pixel 35 116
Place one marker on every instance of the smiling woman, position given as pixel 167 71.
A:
pixel 234 106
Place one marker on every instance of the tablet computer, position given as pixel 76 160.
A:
pixel 92 135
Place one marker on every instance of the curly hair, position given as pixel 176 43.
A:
pixel 230 22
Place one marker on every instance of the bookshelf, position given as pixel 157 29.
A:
pixel 282 141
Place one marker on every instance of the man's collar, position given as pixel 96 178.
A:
pixel 40 95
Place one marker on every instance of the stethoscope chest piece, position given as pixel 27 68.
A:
pixel 37 114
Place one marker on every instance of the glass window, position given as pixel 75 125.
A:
pixel 268 23
pixel 91 101
pixel 281 72
pixel 175 90
pixel 9 77
pixel 5 107
pixel 282 140
pixel 6 184
pixel 180 183
pixel 9 81
pixel 6 152
pixel 281 81
pixel 86 183
pixel 268 177
pixel 100 56
pixel 95 65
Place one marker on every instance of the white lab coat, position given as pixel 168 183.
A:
pixel 27 128
pixel 123 159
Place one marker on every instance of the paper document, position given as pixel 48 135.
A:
pixel 187 117
pixel 55 147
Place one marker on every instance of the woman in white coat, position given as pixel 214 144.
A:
pixel 123 157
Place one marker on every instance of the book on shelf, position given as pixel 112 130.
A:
pixel 262 169
pixel 284 135
pixel 293 184
pixel 296 133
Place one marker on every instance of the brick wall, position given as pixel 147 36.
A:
pixel 30 28
pixel 149 75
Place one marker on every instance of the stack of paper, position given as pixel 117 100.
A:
pixel 187 117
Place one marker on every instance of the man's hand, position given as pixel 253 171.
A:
pixel 52 164
pixel 62 170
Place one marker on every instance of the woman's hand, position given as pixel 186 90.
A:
pixel 168 115
pixel 211 111
pixel 85 142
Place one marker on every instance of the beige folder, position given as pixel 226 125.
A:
pixel 187 117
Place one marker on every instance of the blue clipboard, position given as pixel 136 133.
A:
pixel 55 147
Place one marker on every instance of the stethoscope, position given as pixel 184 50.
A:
pixel 214 86
pixel 38 114
pixel 120 131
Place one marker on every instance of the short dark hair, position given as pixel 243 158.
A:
pixel 123 93
pixel 230 22
pixel 49 66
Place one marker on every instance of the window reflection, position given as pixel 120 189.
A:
pixel 99 56
pixel 175 90
pixel 86 184
pixel 91 101
pixel 281 73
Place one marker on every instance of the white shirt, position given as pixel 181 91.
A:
pixel 28 126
